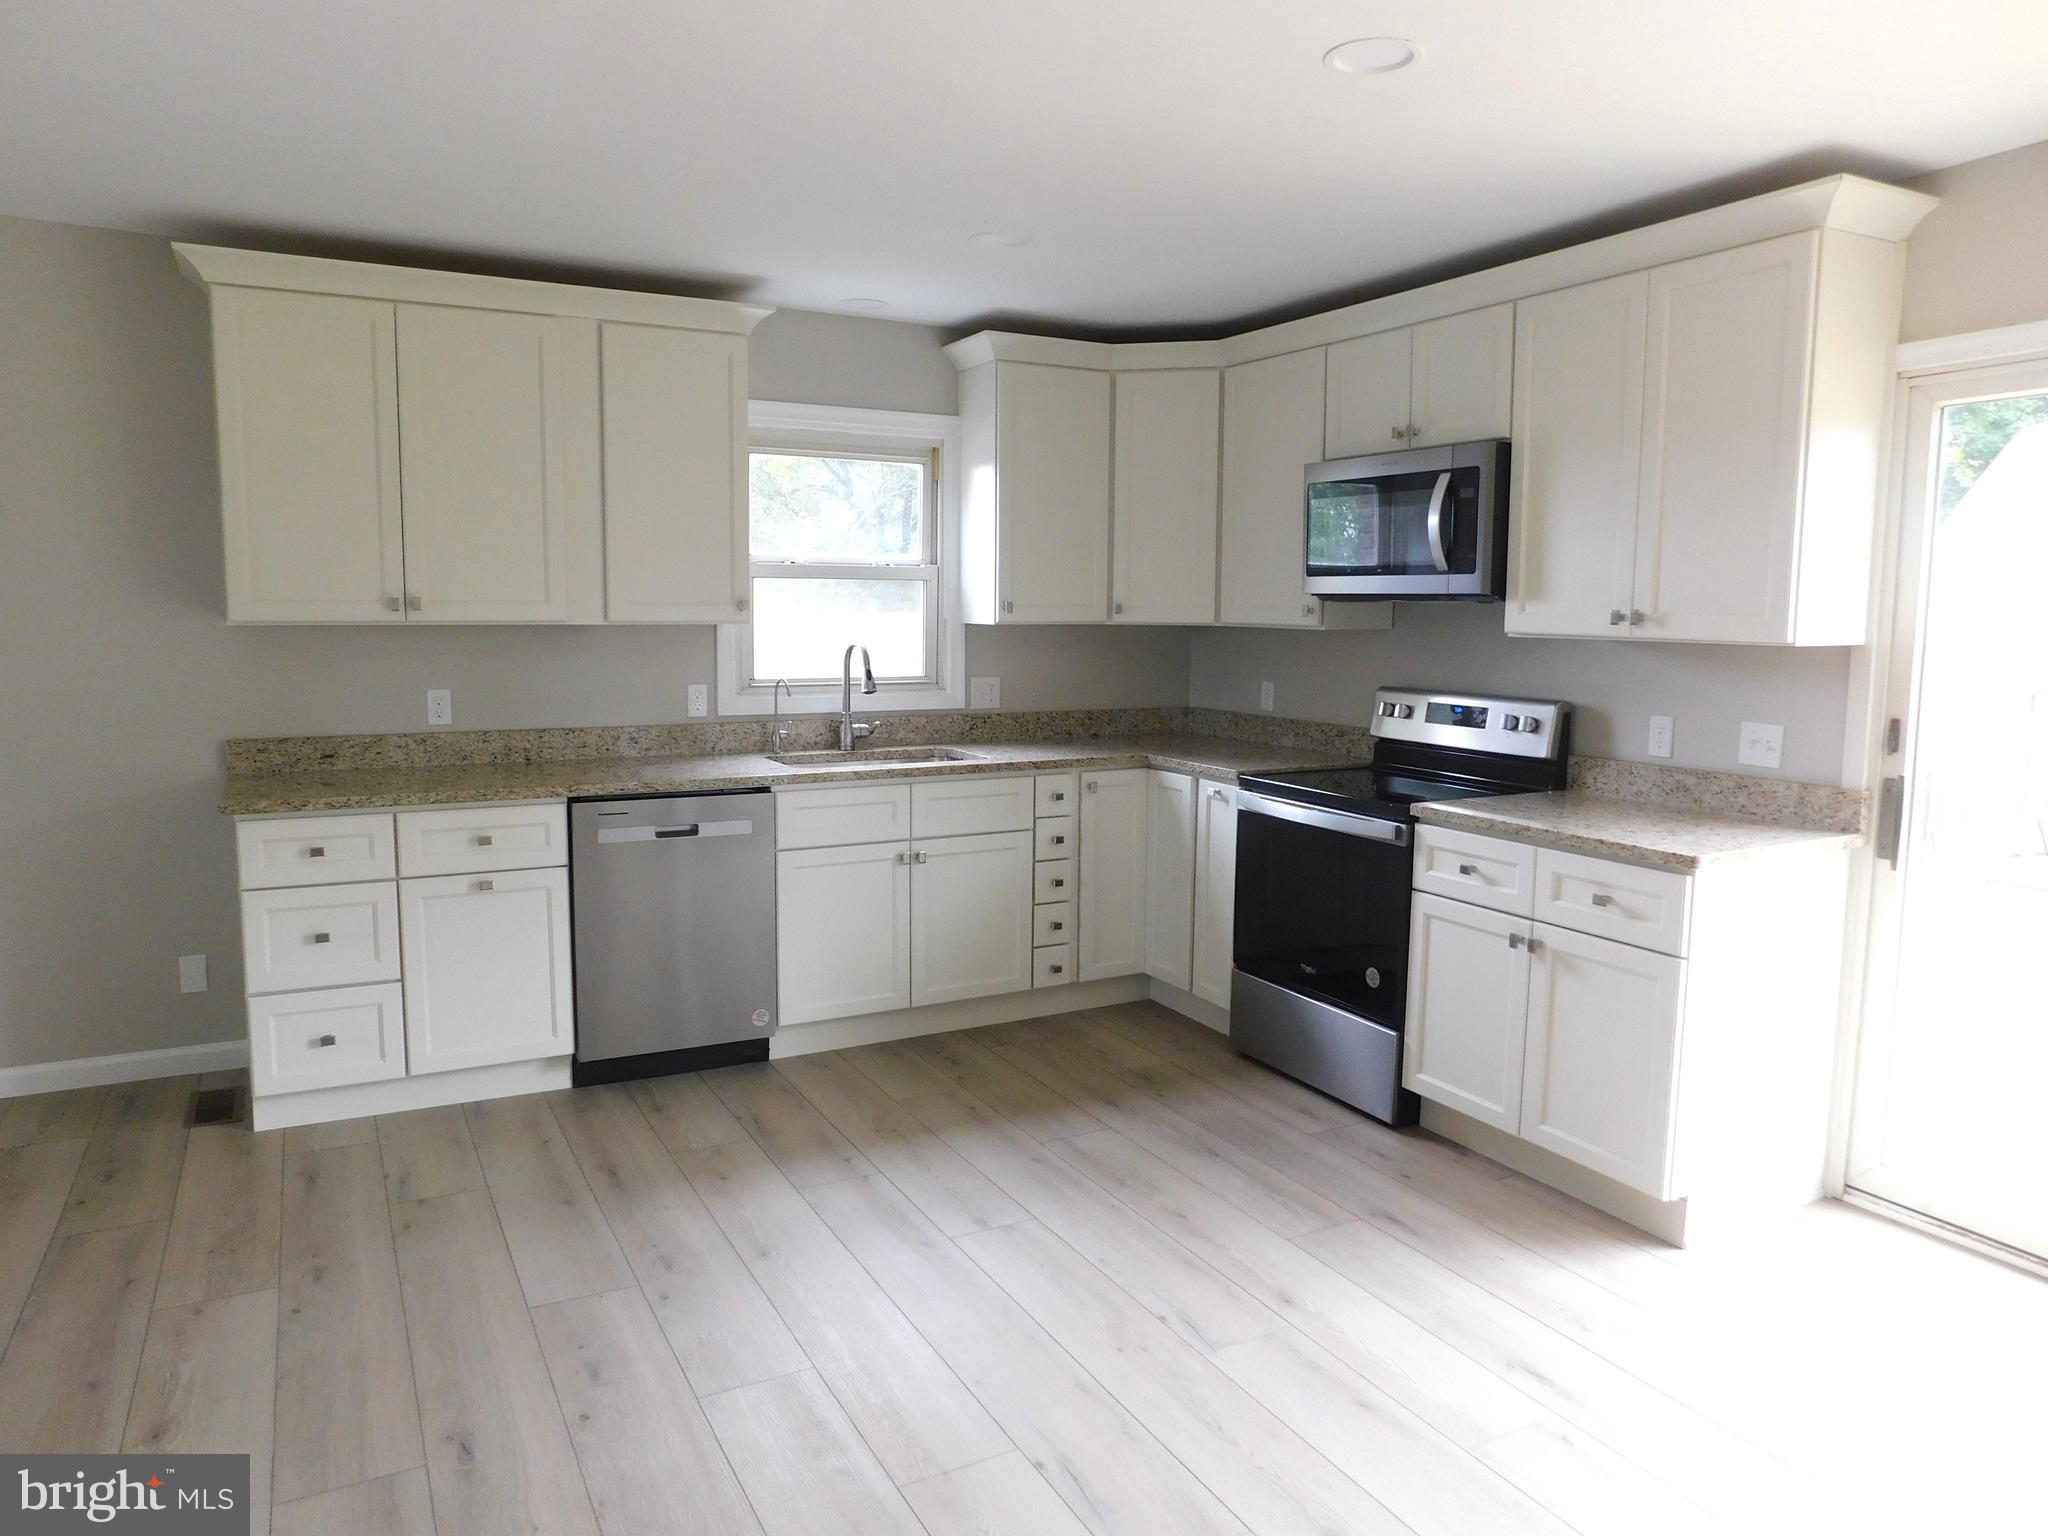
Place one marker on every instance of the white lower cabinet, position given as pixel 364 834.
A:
pixel 1112 873
pixel 486 968
pixel 1170 877
pixel 970 917
pixel 842 922
pixel 1215 890
pixel 1600 1069
pixel 1468 1001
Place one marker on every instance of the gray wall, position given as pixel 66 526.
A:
pixel 1977 262
pixel 119 680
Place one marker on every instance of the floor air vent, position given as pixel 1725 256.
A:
pixel 216 1106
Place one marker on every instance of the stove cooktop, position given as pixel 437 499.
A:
pixel 1363 791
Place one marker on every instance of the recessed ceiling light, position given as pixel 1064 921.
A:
pixel 866 306
pixel 1372 55
pixel 1003 239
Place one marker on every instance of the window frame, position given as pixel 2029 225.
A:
pixel 774 425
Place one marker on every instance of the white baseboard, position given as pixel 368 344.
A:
pixel 270 1112
pixel 128 1067
pixel 940 1018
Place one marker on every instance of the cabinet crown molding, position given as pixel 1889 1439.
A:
pixel 213 266
pixel 1853 204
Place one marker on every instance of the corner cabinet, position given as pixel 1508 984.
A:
pixel 1164 501
pixel 1115 827
pixel 399 445
pixel 1215 890
pixel 1697 446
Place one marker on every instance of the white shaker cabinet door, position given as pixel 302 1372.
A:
pixel 485 401
pixel 1578 418
pixel 842 920
pixel 1462 377
pixel 675 475
pixel 1053 474
pixel 1272 432
pixel 1215 890
pixel 1366 404
pixel 1112 873
pixel 1730 350
pixel 1600 1070
pixel 486 968
pixel 1468 992
pixel 1170 877
pixel 306 388
pixel 1164 509
pixel 970 917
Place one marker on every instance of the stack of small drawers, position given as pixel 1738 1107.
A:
pixel 1055 839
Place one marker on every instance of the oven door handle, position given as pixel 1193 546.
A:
pixel 1436 521
pixel 1370 827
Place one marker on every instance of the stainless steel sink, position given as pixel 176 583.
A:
pixel 880 756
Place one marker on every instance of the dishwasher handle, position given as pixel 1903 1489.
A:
pixel 686 829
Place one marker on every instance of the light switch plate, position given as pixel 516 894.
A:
pixel 1660 735
pixel 700 700
pixel 191 973
pixel 1760 745
pixel 440 707
pixel 984 692
pixel 1266 695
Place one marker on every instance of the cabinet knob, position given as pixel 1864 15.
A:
pixel 1637 616
pixel 320 938
pixel 395 604
pixel 1092 786
pixel 1308 610
pixel 1057 927
pixel 1615 616
pixel 1116 607
pixel 921 857
pixel 1009 607
pixel 1399 433
pixel 316 853
pixel 1219 794
pixel 412 602
pixel 483 839
pixel 487 885
pixel 1516 941
pixel 324 1040
pixel 741 605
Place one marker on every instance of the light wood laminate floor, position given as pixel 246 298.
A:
pixel 1094 1273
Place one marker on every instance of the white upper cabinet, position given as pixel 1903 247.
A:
pixel 484 400
pixel 1164 506
pixel 1578 425
pixel 308 417
pixel 1700 442
pixel 1272 432
pixel 398 444
pixel 675 475
pixel 1443 381
pixel 1035 509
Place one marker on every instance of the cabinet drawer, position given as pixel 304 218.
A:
pixel 1052 966
pixel 1056 794
pixel 1053 880
pixel 969 807
pixel 835 815
pixel 1487 871
pixel 320 936
pixel 1054 837
pixel 314 850
pixel 476 841
pixel 326 1039
pixel 1053 923
pixel 1649 908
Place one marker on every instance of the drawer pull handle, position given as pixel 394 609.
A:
pixel 1058 885
pixel 902 857
pixel 1057 970
pixel 483 839
pixel 1469 869
pixel 1602 899
pixel 324 1040
pixel 316 853
pixel 1058 796
pixel 320 938
pixel 921 857
pixel 1058 840
pixel 1057 927
pixel 1219 794
pixel 1093 786
pixel 487 885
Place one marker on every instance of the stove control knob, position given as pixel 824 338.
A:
pixel 1406 710
pixel 1387 710
pixel 1511 722
pixel 1531 725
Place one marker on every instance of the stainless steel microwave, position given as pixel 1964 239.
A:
pixel 1418 524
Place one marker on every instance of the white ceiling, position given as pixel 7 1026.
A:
pixel 1175 162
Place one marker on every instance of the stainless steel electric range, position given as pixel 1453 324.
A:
pixel 1319 987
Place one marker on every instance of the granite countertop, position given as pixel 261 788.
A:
pixel 356 789
pixel 1654 834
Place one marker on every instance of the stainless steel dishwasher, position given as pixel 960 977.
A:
pixel 673 903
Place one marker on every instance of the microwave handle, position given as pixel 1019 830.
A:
pixel 1436 521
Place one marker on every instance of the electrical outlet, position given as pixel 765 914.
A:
pixel 1760 745
pixel 1266 695
pixel 700 700
pixel 984 692
pixel 440 707
pixel 191 973
pixel 1660 735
